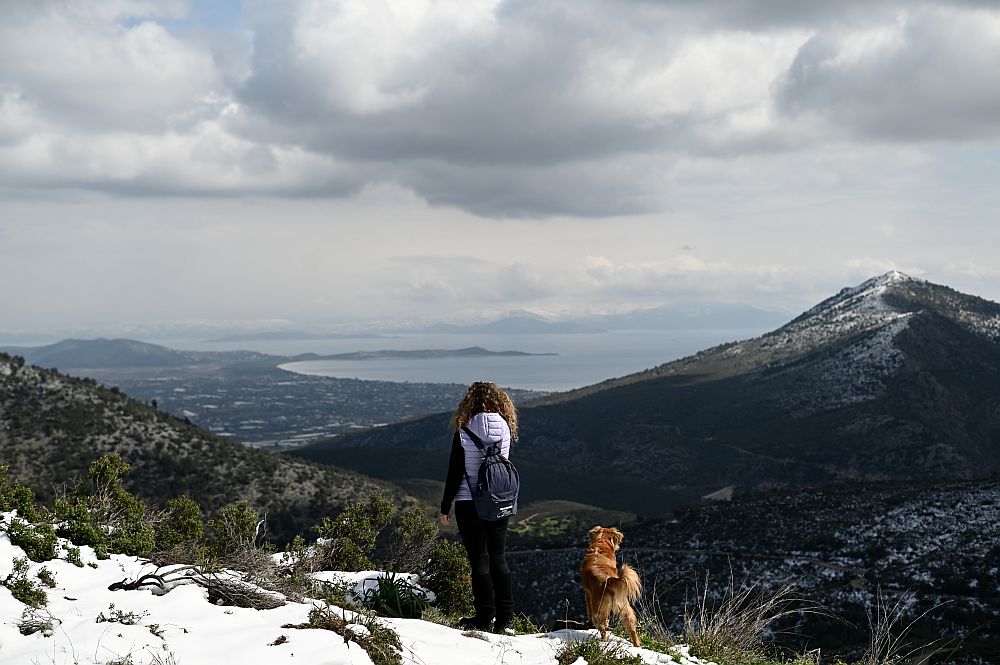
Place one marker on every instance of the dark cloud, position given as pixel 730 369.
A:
pixel 511 95
pixel 931 76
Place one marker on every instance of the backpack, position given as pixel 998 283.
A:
pixel 495 492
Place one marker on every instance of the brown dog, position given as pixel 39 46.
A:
pixel 607 591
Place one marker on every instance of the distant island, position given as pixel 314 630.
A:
pixel 419 354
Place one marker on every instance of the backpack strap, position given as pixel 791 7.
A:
pixel 482 445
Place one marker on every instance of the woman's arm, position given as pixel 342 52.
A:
pixel 456 473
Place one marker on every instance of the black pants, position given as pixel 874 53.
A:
pixel 486 542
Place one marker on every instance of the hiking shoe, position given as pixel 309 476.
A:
pixel 504 626
pixel 474 623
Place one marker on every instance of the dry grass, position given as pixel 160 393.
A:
pixel 736 626
pixel 890 642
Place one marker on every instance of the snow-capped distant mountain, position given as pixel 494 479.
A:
pixel 893 378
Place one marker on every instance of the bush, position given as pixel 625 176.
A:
pixel 22 588
pixel 448 575
pixel 234 529
pixel 15 496
pixel 37 540
pixel 411 541
pixel 79 526
pixel 352 534
pixel 73 555
pixel 46 577
pixel 181 523
pixel 104 515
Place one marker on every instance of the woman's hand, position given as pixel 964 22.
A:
pixel 443 519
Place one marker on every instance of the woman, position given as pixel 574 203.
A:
pixel 488 411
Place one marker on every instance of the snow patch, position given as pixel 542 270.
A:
pixel 183 627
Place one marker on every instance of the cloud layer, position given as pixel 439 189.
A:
pixel 511 108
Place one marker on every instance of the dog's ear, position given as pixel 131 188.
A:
pixel 595 532
pixel 616 537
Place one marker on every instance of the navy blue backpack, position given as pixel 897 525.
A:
pixel 495 492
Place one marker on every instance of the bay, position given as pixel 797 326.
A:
pixel 582 359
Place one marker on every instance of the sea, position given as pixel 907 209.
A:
pixel 580 359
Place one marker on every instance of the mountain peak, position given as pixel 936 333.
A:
pixel 891 277
pixel 866 295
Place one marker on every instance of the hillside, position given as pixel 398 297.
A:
pixel 894 378
pixel 86 623
pixel 119 353
pixel 52 426
pixel 935 546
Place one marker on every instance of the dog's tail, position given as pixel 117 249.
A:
pixel 627 585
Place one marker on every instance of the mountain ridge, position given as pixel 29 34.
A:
pixel 895 377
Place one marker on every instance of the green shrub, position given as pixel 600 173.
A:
pixel 15 496
pixel 394 597
pixel 180 524
pixel 234 529
pixel 104 515
pixel 22 588
pixel 352 534
pixel 73 555
pixel 448 575
pixel 46 577
pixel 79 526
pixel 411 541
pixel 133 537
pixel 37 540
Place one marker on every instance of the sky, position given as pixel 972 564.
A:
pixel 326 162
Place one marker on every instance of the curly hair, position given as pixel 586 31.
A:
pixel 486 397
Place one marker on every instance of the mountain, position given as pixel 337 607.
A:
pixel 893 378
pixel 112 353
pixel 132 354
pixel 53 426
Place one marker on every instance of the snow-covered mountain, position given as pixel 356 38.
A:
pixel 893 378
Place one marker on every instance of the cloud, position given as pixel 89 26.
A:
pixel 80 66
pixel 928 75
pixel 502 108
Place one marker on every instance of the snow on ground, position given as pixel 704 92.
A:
pixel 182 628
